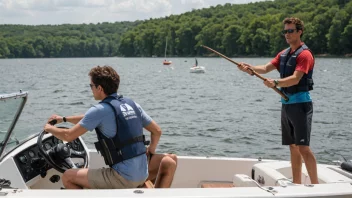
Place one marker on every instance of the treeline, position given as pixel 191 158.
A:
pixel 235 30
pixel 84 40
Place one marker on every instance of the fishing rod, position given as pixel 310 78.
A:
pixel 254 73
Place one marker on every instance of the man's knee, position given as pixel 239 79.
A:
pixel 173 156
pixel 294 149
pixel 304 150
pixel 168 163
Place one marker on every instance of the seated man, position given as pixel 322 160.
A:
pixel 115 118
pixel 161 169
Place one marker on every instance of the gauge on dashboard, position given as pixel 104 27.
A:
pixel 23 159
pixel 47 145
pixel 57 141
pixel 31 154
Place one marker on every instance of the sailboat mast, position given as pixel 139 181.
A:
pixel 165 47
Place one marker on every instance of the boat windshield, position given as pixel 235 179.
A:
pixel 11 106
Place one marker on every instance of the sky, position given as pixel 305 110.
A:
pixel 37 12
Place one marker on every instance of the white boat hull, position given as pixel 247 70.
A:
pixel 198 69
pixel 191 173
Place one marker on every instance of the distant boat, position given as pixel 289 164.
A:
pixel 166 62
pixel 197 69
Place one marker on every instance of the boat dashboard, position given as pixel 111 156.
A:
pixel 26 167
pixel 31 163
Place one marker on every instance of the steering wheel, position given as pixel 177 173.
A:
pixel 59 156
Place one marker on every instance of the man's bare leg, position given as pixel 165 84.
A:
pixel 75 178
pixel 310 162
pixel 162 169
pixel 296 164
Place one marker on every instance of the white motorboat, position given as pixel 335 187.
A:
pixel 33 168
pixel 197 69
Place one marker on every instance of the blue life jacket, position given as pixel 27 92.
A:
pixel 288 67
pixel 129 141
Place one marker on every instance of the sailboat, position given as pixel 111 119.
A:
pixel 197 69
pixel 166 62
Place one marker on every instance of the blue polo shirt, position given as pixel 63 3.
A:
pixel 102 116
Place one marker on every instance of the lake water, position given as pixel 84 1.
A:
pixel 223 112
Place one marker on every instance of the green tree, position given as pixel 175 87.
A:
pixel 28 51
pixel 346 38
pixel 230 40
pixel 260 42
pixel 4 50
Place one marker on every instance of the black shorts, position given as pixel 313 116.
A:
pixel 296 123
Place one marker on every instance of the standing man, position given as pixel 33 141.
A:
pixel 295 65
pixel 118 122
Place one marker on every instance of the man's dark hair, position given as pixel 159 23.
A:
pixel 292 20
pixel 106 77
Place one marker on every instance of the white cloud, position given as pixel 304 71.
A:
pixel 83 3
pixel 124 6
pixel 30 5
pixel 139 8
pixel 93 11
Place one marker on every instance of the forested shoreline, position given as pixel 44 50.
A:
pixel 235 30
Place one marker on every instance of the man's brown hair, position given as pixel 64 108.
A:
pixel 106 77
pixel 292 20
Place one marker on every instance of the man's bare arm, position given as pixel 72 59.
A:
pixel 66 134
pixel 260 69
pixel 155 131
pixel 71 119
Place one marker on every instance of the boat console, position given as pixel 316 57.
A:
pixel 26 167
pixel 31 163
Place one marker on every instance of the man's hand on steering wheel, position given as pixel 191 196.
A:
pixel 58 118
pixel 59 156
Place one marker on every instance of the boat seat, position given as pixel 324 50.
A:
pixel 327 175
pixel 271 173
pixel 278 173
pixel 241 180
pixel 147 184
pixel 216 184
